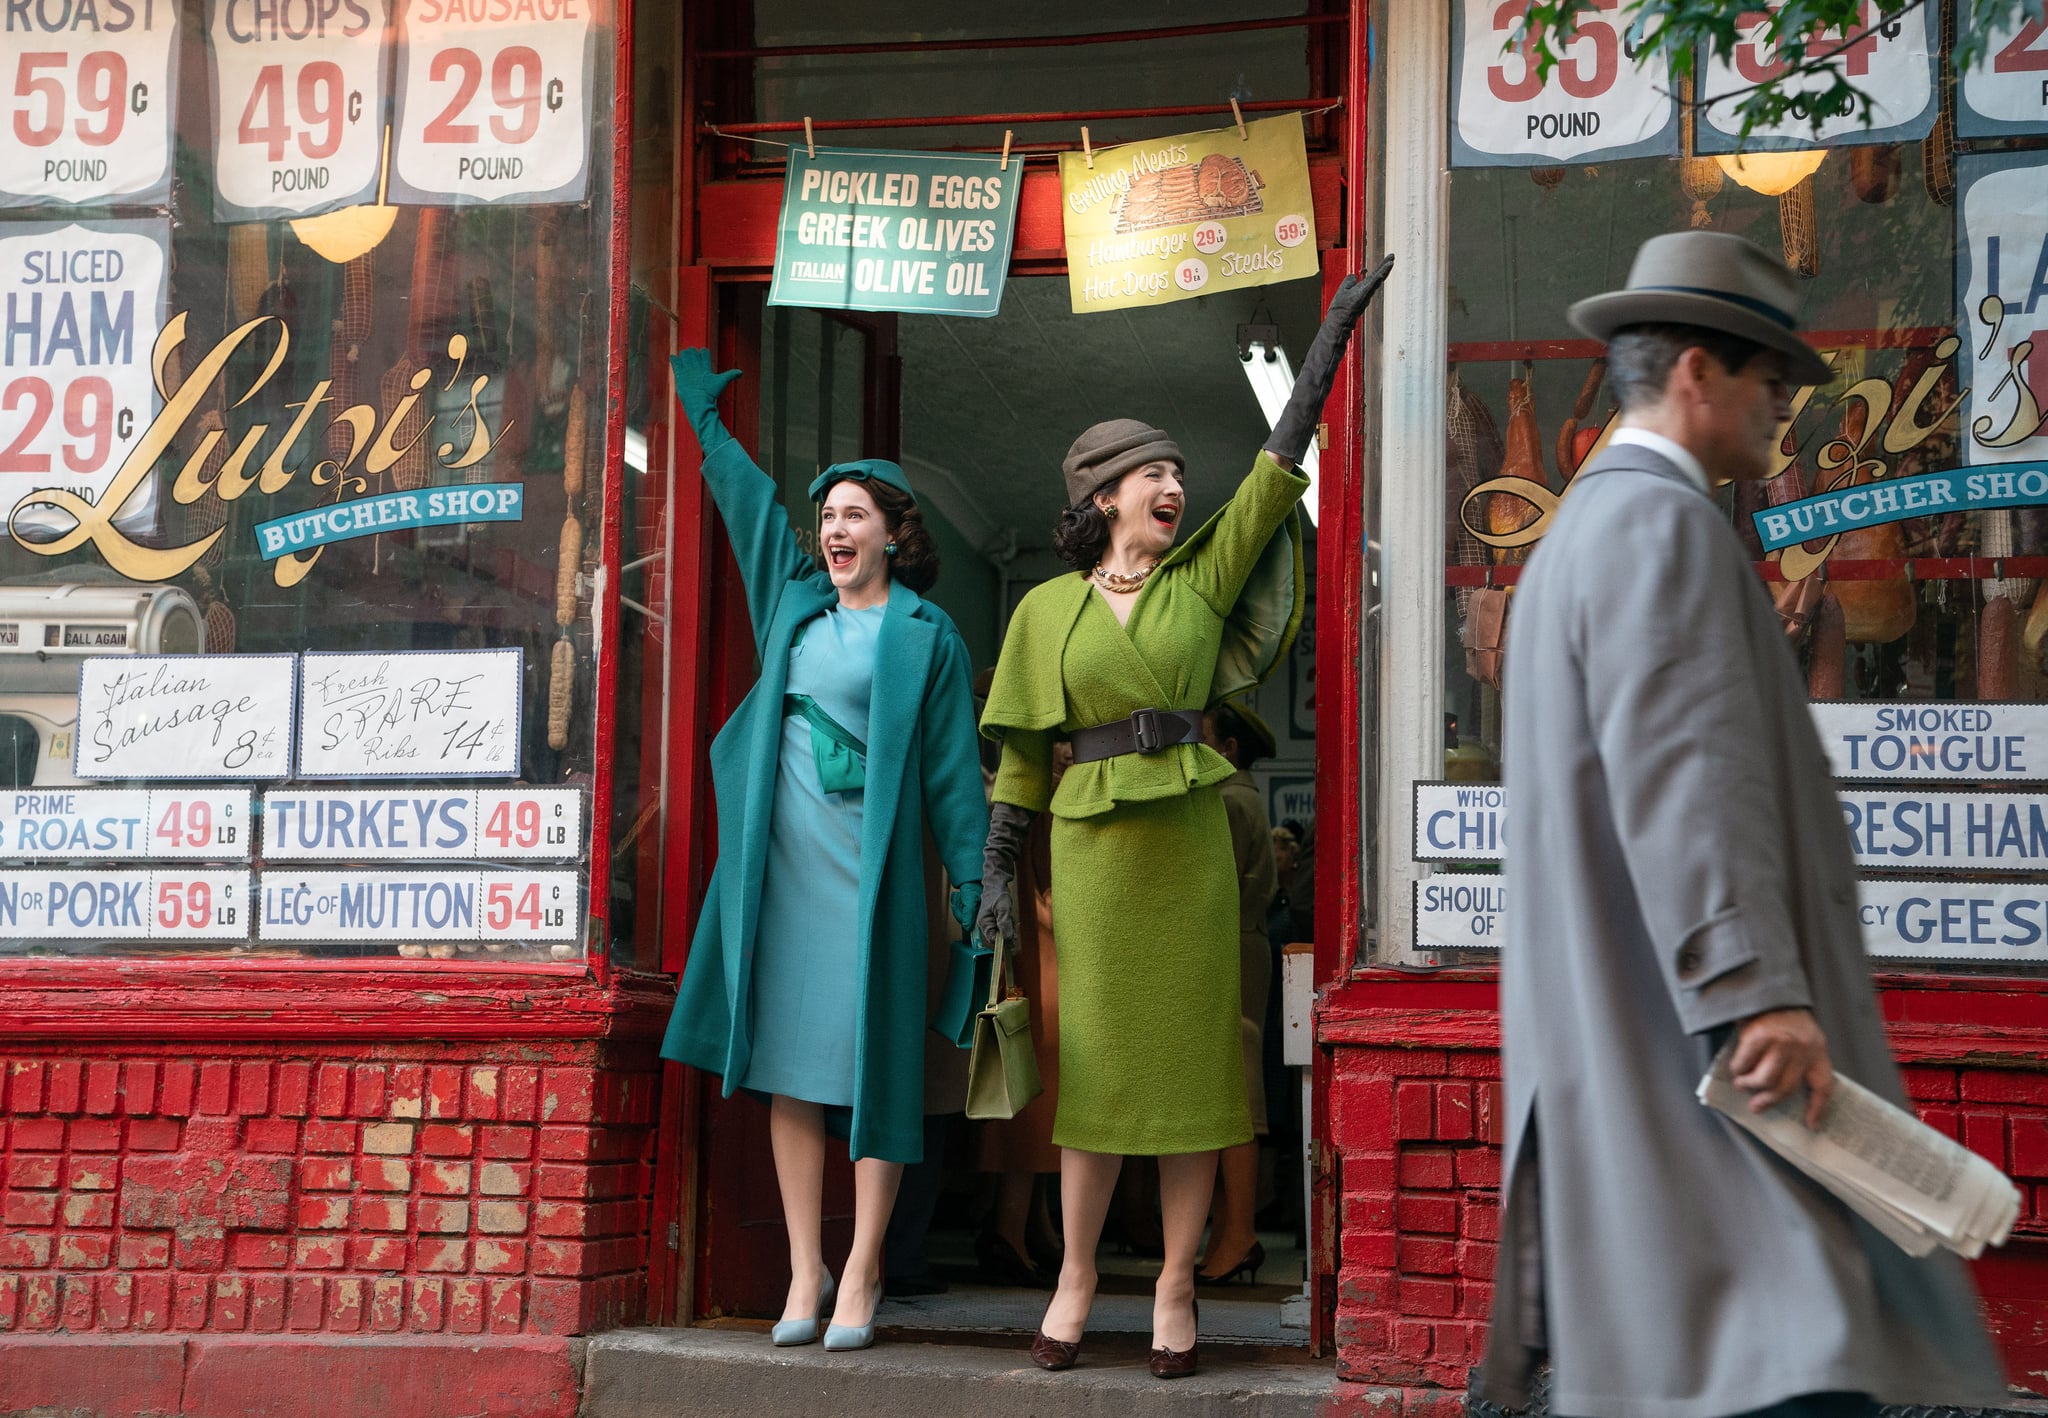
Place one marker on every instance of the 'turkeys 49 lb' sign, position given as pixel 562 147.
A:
pixel 372 442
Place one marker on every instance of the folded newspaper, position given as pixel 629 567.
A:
pixel 1916 1186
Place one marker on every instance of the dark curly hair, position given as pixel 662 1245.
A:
pixel 916 563
pixel 1082 536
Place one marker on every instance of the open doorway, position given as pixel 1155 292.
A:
pixel 980 413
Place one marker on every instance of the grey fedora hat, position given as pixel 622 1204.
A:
pixel 1712 279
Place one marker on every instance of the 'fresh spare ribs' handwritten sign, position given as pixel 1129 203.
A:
pixel 184 716
pixel 414 714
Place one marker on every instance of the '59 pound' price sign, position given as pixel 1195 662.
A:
pixel 110 903
pixel 1597 103
pixel 86 90
pixel 299 95
pixel 494 101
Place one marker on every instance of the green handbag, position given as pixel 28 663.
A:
pixel 1002 1072
pixel 841 758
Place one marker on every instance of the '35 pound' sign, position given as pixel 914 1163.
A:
pixel 1597 101
pixel 1580 72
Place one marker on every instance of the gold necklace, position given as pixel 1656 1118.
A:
pixel 1121 582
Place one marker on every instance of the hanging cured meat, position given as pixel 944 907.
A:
pixel 248 269
pixel 1874 171
pixel 2035 635
pixel 426 324
pixel 1571 451
pixel 1800 227
pixel 1506 514
pixel 1699 178
pixel 1998 649
pixel 351 333
pixel 1827 659
pixel 1877 611
pixel 1472 450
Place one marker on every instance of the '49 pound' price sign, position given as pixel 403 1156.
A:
pixel 494 101
pixel 298 104
pixel 86 88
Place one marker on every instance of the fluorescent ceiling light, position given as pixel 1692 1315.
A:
pixel 636 450
pixel 1272 379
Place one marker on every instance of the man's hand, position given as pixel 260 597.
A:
pixel 1775 1053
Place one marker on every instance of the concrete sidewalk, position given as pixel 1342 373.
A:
pixel 712 1373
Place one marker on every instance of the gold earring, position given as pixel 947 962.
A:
pixel 1109 512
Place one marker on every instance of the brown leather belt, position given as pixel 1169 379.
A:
pixel 1147 731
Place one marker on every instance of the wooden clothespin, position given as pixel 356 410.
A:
pixel 1087 151
pixel 1238 114
pixel 810 143
pixel 1006 150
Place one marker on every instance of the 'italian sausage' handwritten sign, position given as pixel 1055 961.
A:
pixel 414 714
pixel 184 716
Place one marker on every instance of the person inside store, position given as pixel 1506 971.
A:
pixel 1235 730
pixel 1682 880
pixel 1120 659
pixel 806 983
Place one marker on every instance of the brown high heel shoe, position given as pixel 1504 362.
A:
pixel 1178 1363
pixel 1055 1354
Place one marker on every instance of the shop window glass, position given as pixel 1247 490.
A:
pixel 302 350
pixel 1934 609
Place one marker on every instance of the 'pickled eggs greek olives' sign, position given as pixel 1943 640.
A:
pixel 1170 219
pixel 867 229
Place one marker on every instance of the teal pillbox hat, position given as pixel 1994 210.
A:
pixel 879 470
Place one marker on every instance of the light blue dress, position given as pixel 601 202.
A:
pixel 806 985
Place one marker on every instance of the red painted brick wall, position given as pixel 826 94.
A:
pixel 1418 1132
pixel 350 1190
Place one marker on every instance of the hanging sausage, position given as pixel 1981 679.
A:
pixel 1506 514
pixel 1571 450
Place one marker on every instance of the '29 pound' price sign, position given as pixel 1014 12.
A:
pixel 80 307
pixel 298 94
pixel 494 101
pixel 102 903
pixel 86 88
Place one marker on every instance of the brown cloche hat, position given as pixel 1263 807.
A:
pixel 1109 450
pixel 1715 280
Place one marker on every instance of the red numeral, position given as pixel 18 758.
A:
pixel 29 84
pixel 322 77
pixel 36 392
pixel 102 87
pixel 97 428
pixel 445 129
pixel 1528 85
pixel 2020 56
pixel 521 64
pixel 187 903
pixel 267 94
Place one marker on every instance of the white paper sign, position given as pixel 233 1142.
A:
pixel 79 824
pixel 2002 283
pixel 87 89
pixel 116 903
pixel 420 905
pixel 1893 61
pixel 185 716
pixel 1598 103
pixel 494 101
pixel 413 714
pixel 420 824
pixel 2007 90
pixel 1902 920
pixel 1888 830
pixel 1972 743
pixel 299 94
pixel 80 307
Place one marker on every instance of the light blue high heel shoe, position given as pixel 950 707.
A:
pixel 792 1332
pixel 853 1336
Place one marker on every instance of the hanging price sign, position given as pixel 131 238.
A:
pixel 1892 60
pixel 87 92
pixel 2001 290
pixel 1597 103
pixel 80 306
pixel 494 101
pixel 105 903
pixel 2007 90
pixel 298 105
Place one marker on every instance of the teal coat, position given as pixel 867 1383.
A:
pixel 922 769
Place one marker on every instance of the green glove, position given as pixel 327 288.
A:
pixel 966 904
pixel 697 390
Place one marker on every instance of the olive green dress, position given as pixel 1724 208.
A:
pixel 1144 885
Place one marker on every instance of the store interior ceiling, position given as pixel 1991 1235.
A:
pixel 991 406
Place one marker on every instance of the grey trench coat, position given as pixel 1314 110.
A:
pixel 1680 863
